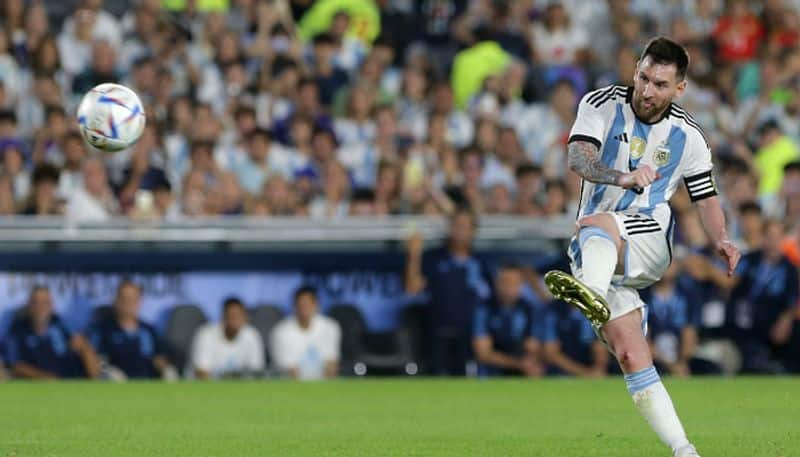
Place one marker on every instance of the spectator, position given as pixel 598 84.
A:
pixel 570 346
pixel 75 154
pixel 39 345
pixel 102 69
pixel 737 33
pixel 128 343
pixel 93 201
pixel 761 308
pixel 456 282
pixel 44 200
pixel 556 41
pixel 229 349
pixel 503 337
pixel 306 345
pixel 776 151
pixel 672 323
pixel 13 166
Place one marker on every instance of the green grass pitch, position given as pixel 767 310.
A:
pixel 420 417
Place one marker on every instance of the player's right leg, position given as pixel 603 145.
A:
pixel 627 341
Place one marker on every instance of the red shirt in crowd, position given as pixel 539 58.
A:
pixel 738 37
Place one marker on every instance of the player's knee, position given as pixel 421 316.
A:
pixel 602 222
pixel 631 360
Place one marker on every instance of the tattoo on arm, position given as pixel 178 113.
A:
pixel 584 159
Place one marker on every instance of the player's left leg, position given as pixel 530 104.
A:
pixel 627 342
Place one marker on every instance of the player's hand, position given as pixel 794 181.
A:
pixel 730 253
pixel 638 178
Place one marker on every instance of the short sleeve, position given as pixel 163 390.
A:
pixel 333 347
pixel 590 123
pixel 11 353
pixel 480 323
pixel 697 170
pixel 548 329
pixel 280 346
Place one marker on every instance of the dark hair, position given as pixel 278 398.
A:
pixel 128 283
pixel 260 132
pixel 509 265
pixel 303 290
pixel 363 194
pixel 792 166
pixel 45 173
pixel 665 52
pixel 465 211
pixel 231 302
pixel 526 169
pixel 749 207
pixel 8 116
pixel 50 110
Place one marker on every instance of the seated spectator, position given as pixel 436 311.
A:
pixel 39 346
pixel 761 308
pixel 128 343
pixel 672 327
pixel 503 336
pixel 570 345
pixel 228 349
pixel 306 345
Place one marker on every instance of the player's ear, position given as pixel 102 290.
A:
pixel 681 87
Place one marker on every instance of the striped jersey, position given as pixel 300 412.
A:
pixel 674 146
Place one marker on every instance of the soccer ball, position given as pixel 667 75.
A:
pixel 111 117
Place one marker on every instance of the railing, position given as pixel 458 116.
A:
pixel 275 229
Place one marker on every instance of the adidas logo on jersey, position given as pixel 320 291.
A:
pixel 623 137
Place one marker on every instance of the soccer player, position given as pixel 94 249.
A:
pixel 632 146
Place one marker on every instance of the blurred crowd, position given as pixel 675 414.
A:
pixel 333 108
pixel 475 317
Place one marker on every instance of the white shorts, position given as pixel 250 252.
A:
pixel 647 256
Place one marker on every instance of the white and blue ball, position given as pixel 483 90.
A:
pixel 111 117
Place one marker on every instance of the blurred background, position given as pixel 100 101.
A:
pixel 365 187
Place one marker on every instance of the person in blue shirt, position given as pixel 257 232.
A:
pixel 503 330
pixel 570 345
pixel 39 346
pixel 129 344
pixel 760 312
pixel 672 324
pixel 456 282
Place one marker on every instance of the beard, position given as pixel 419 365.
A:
pixel 648 110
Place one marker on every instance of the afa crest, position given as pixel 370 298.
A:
pixel 638 146
pixel 661 157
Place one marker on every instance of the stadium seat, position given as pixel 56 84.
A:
pixel 353 327
pixel 365 352
pixel 412 321
pixel 183 321
pixel 264 317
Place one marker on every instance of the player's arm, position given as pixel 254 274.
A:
pixel 585 160
pixel 713 218
pixel 703 193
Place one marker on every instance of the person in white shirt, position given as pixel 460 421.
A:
pixel 93 201
pixel 306 345
pixel 228 349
